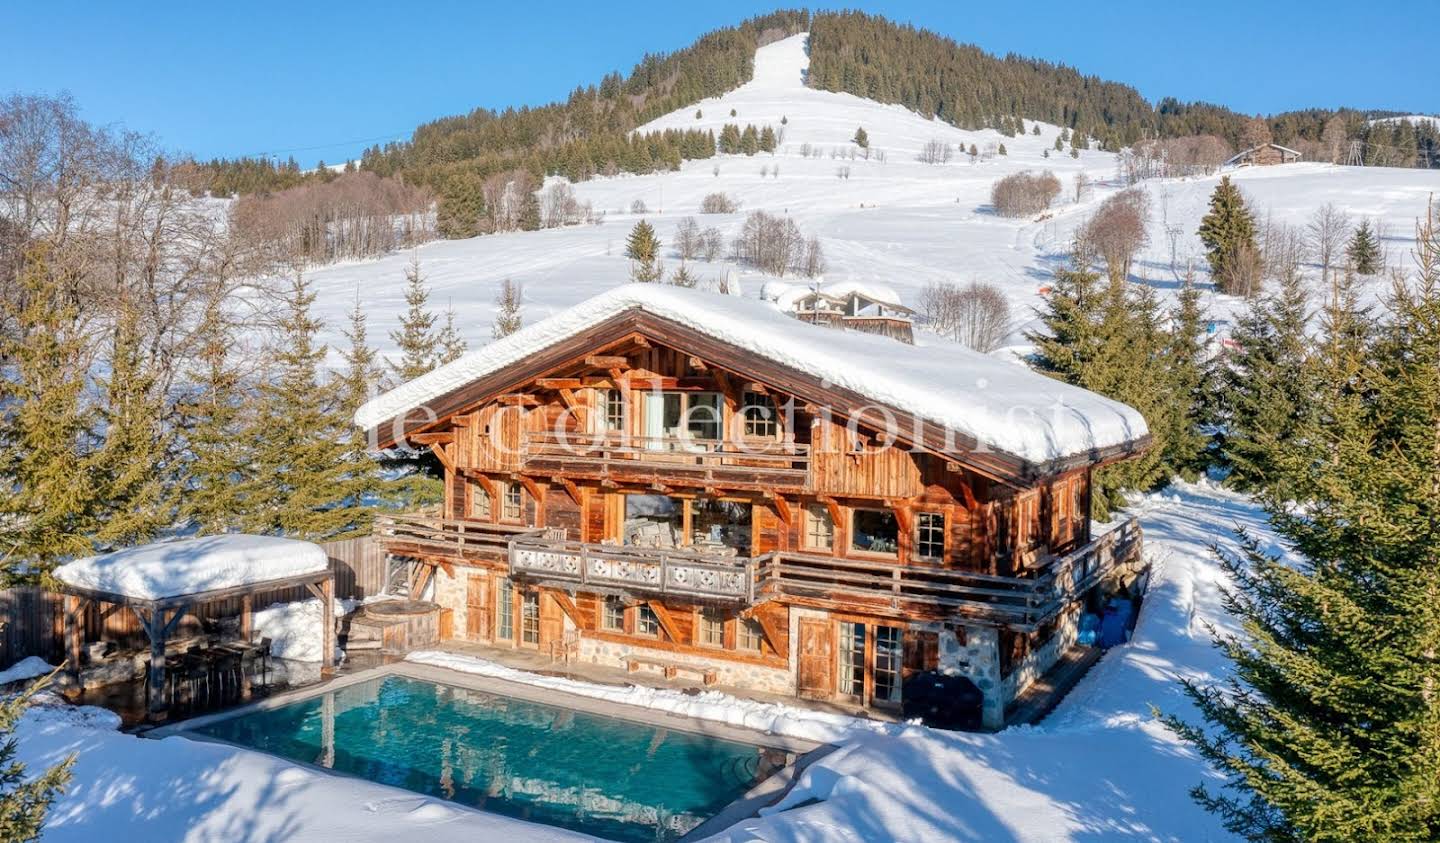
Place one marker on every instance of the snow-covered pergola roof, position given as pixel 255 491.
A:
pixel 195 567
pixel 1001 405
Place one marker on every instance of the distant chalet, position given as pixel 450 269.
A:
pixel 697 484
pixel 1264 155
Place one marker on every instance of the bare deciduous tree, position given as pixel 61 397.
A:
pixel 935 152
pixel 718 203
pixel 1326 234
pixel 977 315
pixel 688 239
pixel 1025 193
pixel 1118 230
pixel 774 244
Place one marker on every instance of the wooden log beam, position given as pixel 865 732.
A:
pixel 667 623
pixel 767 628
pixel 568 606
pixel 443 437
pixel 559 383
pixel 607 361
pixel 485 483
pixel 73 607
pixel 570 489
pixel 536 491
pixel 518 399
pixel 836 515
pixel 782 509
pixel 444 458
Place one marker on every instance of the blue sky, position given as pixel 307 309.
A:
pixel 321 80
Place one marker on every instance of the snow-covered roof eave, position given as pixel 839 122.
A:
pixel 1005 408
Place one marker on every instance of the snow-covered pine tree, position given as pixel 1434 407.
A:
pixel 301 481
pixel 1328 728
pixel 1364 250
pixel 1263 390
pixel 508 304
pixel 25 799
pixel 47 507
pixel 642 247
pixel 216 452
pixel 131 474
pixel 417 339
pixel 451 345
pixel 1228 232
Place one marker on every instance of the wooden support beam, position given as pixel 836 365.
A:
pixel 836 515
pixel 782 509
pixel 570 489
pixel 485 483
pixel 442 437
pixel 902 515
pixel 767 628
pixel 607 361
pixel 447 567
pixel 640 342
pixel 567 395
pixel 535 490
pixel 247 631
pixel 519 399
pixel 327 615
pixel 444 458
pixel 697 364
pixel 559 383
pixel 73 608
pixel 568 607
pixel 667 623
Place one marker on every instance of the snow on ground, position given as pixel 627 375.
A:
pixel 896 222
pixel 27 668
pixel 189 566
pixel 1099 768
pixel 294 629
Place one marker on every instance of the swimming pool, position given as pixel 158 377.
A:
pixel 590 773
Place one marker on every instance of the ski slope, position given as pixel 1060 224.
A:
pixel 898 222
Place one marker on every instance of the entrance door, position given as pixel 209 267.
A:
pixel 817 659
pixel 477 608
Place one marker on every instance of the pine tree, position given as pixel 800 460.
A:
pixel 730 139
pixel 216 452
pixel 508 303
pixel 417 339
pixel 1002 150
pixel 1059 144
pixel 25 799
pixel 48 509
pixel 1328 728
pixel 643 250
pixel 1364 250
pixel 450 344
pixel 767 139
pixel 1228 232
pixel 1035 130
pixel 130 473
pixel 1186 443
pixel 301 480
pixel 749 140
pixel 359 382
pixel 682 277
pixel 1263 387
pixel 861 139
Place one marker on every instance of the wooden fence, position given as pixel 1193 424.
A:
pixel 33 624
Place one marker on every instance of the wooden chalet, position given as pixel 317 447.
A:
pixel 1264 155
pixel 679 481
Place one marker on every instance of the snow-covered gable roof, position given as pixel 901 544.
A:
pixel 1002 405
pixel 1244 152
pixel 191 566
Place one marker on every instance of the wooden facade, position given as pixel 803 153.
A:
pixel 643 495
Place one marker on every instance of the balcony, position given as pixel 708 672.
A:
pixel 546 557
pixel 761 465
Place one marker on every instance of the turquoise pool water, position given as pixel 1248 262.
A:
pixel 596 775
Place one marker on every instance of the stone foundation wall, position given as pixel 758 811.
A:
pixel 978 659
pixel 736 674
pixel 1044 656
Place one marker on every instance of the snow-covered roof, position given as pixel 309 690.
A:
pixel 787 295
pixel 1244 152
pixel 190 566
pixel 1002 405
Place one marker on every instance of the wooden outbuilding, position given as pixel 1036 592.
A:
pixel 1264 155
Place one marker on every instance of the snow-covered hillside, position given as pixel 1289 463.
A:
pixel 896 221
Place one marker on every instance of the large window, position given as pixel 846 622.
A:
pixel 505 609
pixel 889 655
pixel 687 415
pixel 761 418
pixel 513 507
pixel 716 525
pixel 852 659
pixel 749 635
pixel 614 411
pixel 480 502
pixel 646 623
pixel 712 627
pixel 612 615
pixel 530 618
pixel 930 535
pixel 874 531
pixel 819 528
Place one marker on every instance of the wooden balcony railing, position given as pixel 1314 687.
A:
pixel 644 570
pixel 763 464
pixel 917 590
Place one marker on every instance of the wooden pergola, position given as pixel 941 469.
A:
pixel 159 616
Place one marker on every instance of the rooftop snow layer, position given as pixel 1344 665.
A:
pixel 1002 405
pixel 190 566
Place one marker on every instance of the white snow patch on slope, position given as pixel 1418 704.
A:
pixel 189 566
pixel 29 667
pixel 1003 406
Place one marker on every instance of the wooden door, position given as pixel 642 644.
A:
pixel 817 659
pixel 477 608
pixel 552 621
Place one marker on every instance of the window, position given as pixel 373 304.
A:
pixel 646 623
pixel 505 609
pixel 930 535
pixel 703 418
pixel 614 411
pixel 761 418
pixel 720 523
pixel 874 531
pixel 530 618
pixel 479 502
pixel 819 528
pixel 749 635
pixel 686 415
pixel 889 654
pixel 513 507
pixel 852 659
pixel 612 615
pixel 712 628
